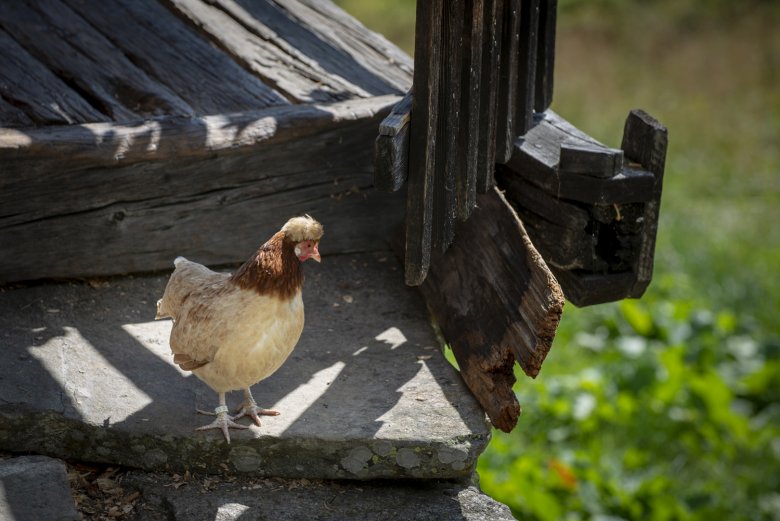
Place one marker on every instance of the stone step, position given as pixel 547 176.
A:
pixel 294 500
pixel 86 373
pixel 34 488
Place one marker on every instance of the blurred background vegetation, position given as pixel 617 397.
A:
pixel 666 407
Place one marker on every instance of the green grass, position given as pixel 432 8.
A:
pixel 666 407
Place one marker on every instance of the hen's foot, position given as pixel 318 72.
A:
pixel 250 408
pixel 222 422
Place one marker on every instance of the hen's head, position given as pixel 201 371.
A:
pixel 305 232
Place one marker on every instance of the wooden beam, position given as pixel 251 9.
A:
pixel 645 141
pixel 590 159
pixel 495 301
pixel 208 190
pixel 444 196
pixel 89 63
pixel 529 41
pixel 422 141
pixel 545 55
pixel 506 131
pixel 28 85
pixel 491 63
pixel 471 99
pixel 593 223
pixel 391 148
pixel 169 50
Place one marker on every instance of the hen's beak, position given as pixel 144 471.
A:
pixel 315 254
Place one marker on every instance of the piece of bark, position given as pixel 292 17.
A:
pixel 495 301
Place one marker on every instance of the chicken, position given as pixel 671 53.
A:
pixel 234 330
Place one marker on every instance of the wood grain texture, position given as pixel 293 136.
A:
pixel 32 88
pixel 467 162
pixel 506 130
pixel 490 69
pixel 391 148
pixel 207 196
pixel 87 61
pixel 170 51
pixel 545 54
pixel 344 47
pixel 526 87
pixel 495 301
pixel 422 141
pixel 444 196
pixel 244 36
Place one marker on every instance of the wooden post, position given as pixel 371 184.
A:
pixel 422 153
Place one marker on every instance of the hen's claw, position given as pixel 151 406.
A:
pixel 254 412
pixel 250 408
pixel 222 422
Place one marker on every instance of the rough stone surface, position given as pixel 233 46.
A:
pixel 292 500
pixel 85 372
pixel 35 488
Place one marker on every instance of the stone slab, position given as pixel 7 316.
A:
pixel 305 500
pixel 86 373
pixel 35 488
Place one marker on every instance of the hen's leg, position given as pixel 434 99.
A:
pixel 250 408
pixel 223 421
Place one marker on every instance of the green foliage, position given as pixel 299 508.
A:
pixel 653 409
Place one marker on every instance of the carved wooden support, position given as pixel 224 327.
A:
pixel 496 302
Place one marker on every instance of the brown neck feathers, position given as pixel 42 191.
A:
pixel 273 270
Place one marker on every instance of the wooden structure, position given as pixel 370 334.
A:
pixel 574 213
pixel 132 132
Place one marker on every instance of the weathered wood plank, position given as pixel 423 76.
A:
pixel 468 131
pixel 168 50
pixel 244 36
pixel 444 197
pixel 561 231
pixel 491 54
pixel 391 148
pixel 422 141
pixel 506 131
pixel 36 173
pixel 538 159
pixel 341 44
pixel 213 205
pixel 496 307
pixel 592 231
pixel 28 85
pixel 12 117
pixel 545 56
pixel 645 141
pixel 87 61
pixel 529 40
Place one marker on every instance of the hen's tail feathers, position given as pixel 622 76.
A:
pixel 162 307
